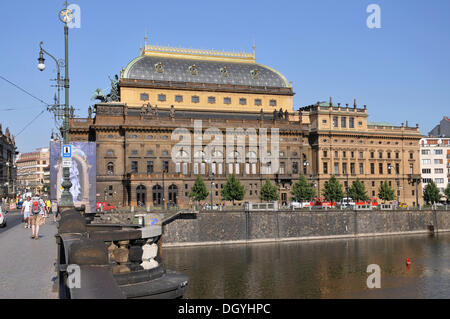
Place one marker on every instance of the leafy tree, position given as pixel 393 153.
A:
pixel 269 192
pixel 198 191
pixel 358 191
pixel 333 190
pixel 447 192
pixel 431 193
pixel 302 190
pixel 233 190
pixel 385 192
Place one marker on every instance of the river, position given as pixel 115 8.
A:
pixel 317 269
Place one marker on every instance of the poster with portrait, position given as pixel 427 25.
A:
pixel 82 173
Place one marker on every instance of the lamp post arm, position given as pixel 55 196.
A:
pixel 46 52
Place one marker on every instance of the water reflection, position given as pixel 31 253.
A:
pixel 317 269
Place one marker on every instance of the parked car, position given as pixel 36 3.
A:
pixel 106 207
pixel 2 218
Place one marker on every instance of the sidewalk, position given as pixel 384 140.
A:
pixel 27 266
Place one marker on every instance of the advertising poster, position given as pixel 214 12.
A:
pixel 82 173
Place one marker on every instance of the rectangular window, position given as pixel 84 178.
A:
pixel 178 98
pixel 380 168
pixel 336 168
pixel 335 121
pixel 195 99
pixel 165 166
pixel 162 97
pixel 352 169
pixel 425 152
pixel 439 180
pixel 372 168
pixel 438 170
pixel 258 102
pixel 325 153
pixel 372 155
pixel 426 171
pixel 343 122
pixel 211 100
pixel 325 168
pixel 344 168
pixel 426 161
pixel 438 161
pixel 397 168
pixel 134 166
pixel 226 100
pixel 295 168
pixel 149 167
pixel 144 97
pixel 380 154
pixel 397 155
pixel 437 152
pixel 361 154
pixel 185 168
pixel 389 154
pixel 177 167
pixel 273 103
pixel 282 167
pixel 351 122
pixel 361 168
pixel 243 101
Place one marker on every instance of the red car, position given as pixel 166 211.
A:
pixel 106 207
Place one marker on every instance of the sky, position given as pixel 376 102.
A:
pixel 401 71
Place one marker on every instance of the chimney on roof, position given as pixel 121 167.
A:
pixel 406 123
pixel 354 103
pixel 331 101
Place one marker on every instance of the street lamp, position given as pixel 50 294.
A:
pixel 66 17
pixel 211 177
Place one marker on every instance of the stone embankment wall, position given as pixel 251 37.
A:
pixel 240 227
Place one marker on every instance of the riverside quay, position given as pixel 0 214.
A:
pixel 166 88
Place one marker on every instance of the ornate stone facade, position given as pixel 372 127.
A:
pixel 134 136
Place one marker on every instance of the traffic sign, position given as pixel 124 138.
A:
pixel 67 151
pixel 67 163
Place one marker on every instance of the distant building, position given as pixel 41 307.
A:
pixel 168 88
pixel 435 161
pixel 7 166
pixel 33 171
pixel 441 130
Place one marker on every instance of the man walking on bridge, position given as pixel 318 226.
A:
pixel 26 209
pixel 38 211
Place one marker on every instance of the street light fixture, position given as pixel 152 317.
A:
pixel 65 15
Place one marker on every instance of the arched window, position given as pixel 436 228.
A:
pixel 141 195
pixel 110 168
pixel 173 191
pixel 157 195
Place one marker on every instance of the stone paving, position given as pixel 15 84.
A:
pixel 27 267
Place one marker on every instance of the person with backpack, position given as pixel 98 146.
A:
pixel 38 211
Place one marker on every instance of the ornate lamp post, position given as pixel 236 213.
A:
pixel 66 17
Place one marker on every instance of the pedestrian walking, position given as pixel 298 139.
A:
pixel 38 209
pixel 26 210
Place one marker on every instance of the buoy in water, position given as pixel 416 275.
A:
pixel 408 261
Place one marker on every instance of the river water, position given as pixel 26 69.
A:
pixel 317 269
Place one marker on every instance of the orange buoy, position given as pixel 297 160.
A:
pixel 408 261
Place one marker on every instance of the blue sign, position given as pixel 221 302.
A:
pixel 67 151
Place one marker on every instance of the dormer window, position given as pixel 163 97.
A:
pixel 224 71
pixel 255 74
pixel 159 67
pixel 193 69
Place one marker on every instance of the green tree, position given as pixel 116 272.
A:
pixel 385 192
pixel 447 192
pixel 233 190
pixel 269 192
pixel 198 191
pixel 358 191
pixel 333 190
pixel 431 193
pixel 302 190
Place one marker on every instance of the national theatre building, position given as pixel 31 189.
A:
pixel 167 89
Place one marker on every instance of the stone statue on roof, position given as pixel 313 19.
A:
pixel 261 114
pixel 172 112
pixel 90 112
pixel 114 94
pixel 286 115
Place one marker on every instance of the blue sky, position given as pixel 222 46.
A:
pixel 400 71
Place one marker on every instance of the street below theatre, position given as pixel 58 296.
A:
pixel 27 267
